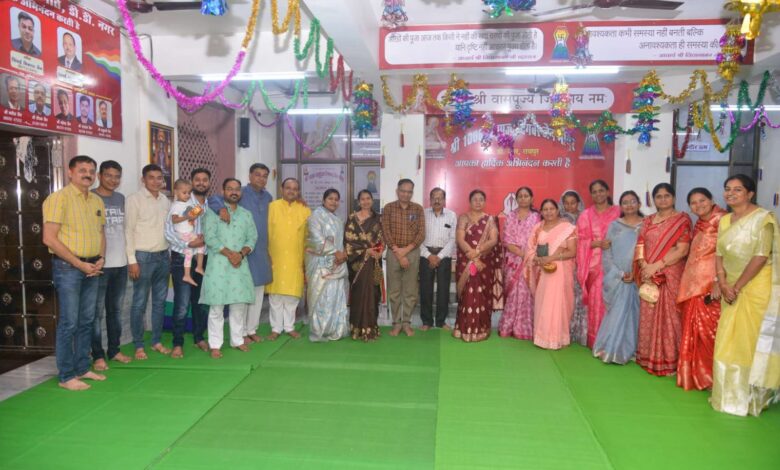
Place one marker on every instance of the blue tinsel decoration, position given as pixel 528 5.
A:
pixel 213 7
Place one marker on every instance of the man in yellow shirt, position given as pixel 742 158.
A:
pixel 286 237
pixel 73 221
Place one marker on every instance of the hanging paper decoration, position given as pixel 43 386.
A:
pixel 561 109
pixel 213 7
pixel 496 8
pixel 628 162
pixel 753 11
pixel 362 114
pixel 401 140
pixel 591 149
pixel 730 56
pixel 459 97
pixel 561 49
pixel 648 198
pixel 382 158
pixel 393 15
pixel 645 111
pixel 610 128
pixel 582 56
pixel 668 163
pixel 419 159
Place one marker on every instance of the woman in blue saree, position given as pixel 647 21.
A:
pixel 326 272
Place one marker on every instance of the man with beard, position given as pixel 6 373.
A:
pixel 228 280
pixel 255 199
pixel 39 106
pixel 24 42
pixel 73 221
pixel 64 102
pixel 185 294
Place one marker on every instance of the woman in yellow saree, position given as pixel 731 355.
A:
pixel 746 368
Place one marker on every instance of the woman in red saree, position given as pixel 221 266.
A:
pixel 659 261
pixel 592 226
pixel 475 271
pixel 699 295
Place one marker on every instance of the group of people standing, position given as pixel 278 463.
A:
pixel 697 300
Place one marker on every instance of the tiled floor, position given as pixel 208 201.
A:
pixel 27 376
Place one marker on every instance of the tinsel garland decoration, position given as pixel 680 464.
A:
pixel 419 85
pixel 314 39
pixel 528 125
pixel 610 128
pixel 362 114
pixel 293 14
pixel 582 56
pixel 213 7
pixel 491 132
pixel 323 144
pixel 753 12
pixel 301 87
pixel 461 99
pixel 561 109
pixel 393 14
pixel 679 152
pixel 340 79
pixel 186 102
pixel 645 111
pixel 496 8
pixel 730 56
pixel 698 77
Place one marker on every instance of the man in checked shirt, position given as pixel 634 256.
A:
pixel 403 224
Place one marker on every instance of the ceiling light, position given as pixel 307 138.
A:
pixel 733 107
pixel 564 70
pixel 218 77
pixel 315 111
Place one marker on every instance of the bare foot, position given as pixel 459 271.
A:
pixel 425 328
pixel 161 349
pixel 396 329
pixel 189 280
pixel 119 357
pixel 243 347
pixel 100 365
pixel 247 340
pixel 273 336
pixel 89 375
pixel 202 345
pixel 216 354
pixel 446 327
pixel 255 338
pixel 177 352
pixel 408 330
pixel 294 334
pixel 200 270
pixel 74 385
pixel 140 354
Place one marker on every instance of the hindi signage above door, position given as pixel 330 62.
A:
pixel 665 42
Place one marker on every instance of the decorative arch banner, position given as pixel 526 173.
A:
pixel 59 69
pixel 459 164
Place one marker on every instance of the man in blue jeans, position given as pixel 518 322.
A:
pixel 112 284
pixel 184 294
pixel 147 256
pixel 73 220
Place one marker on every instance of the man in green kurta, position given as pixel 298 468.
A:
pixel 228 280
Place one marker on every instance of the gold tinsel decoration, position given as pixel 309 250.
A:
pixel 293 12
pixel 752 11
pixel 698 76
pixel 251 25
pixel 419 84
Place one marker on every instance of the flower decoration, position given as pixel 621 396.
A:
pixel 730 56
pixel 362 118
pixel 645 111
pixel 393 15
pixel 461 99
pixel 561 109
pixel 582 56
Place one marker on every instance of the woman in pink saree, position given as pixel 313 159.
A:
pixel 517 318
pixel 476 270
pixel 592 227
pixel 550 269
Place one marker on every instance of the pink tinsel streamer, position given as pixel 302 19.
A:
pixel 188 103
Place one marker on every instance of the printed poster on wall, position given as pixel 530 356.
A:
pixel 319 177
pixel 459 164
pixel 59 69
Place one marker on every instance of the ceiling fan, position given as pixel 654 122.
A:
pixel 604 4
pixel 141 6
pixel 541 89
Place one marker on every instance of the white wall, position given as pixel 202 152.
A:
pixel 402 162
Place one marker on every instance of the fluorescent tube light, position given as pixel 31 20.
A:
pixel 218 77
pixel 564 70
pixel 733 107
pixel 315 111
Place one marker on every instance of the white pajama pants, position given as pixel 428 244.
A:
pixel 237 320
pixel 282 312
pixel 253 312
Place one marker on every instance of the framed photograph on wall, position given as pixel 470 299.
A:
pixel 161 148
pixel 365 177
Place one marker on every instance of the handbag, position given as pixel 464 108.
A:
pixel 544 250
pixel 649 292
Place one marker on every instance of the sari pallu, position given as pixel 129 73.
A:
pixel 616 338
pixel 365 275
pixel 553 292
pixel 475 292
pixel 746 366
pixel 517 319
pixel 700 312
pixel 591 226
pixel 660 327
pixel 326 291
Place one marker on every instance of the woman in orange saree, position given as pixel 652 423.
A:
pixel 551 275
pixel 658 266
pixel 699 295
pixel 475 271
